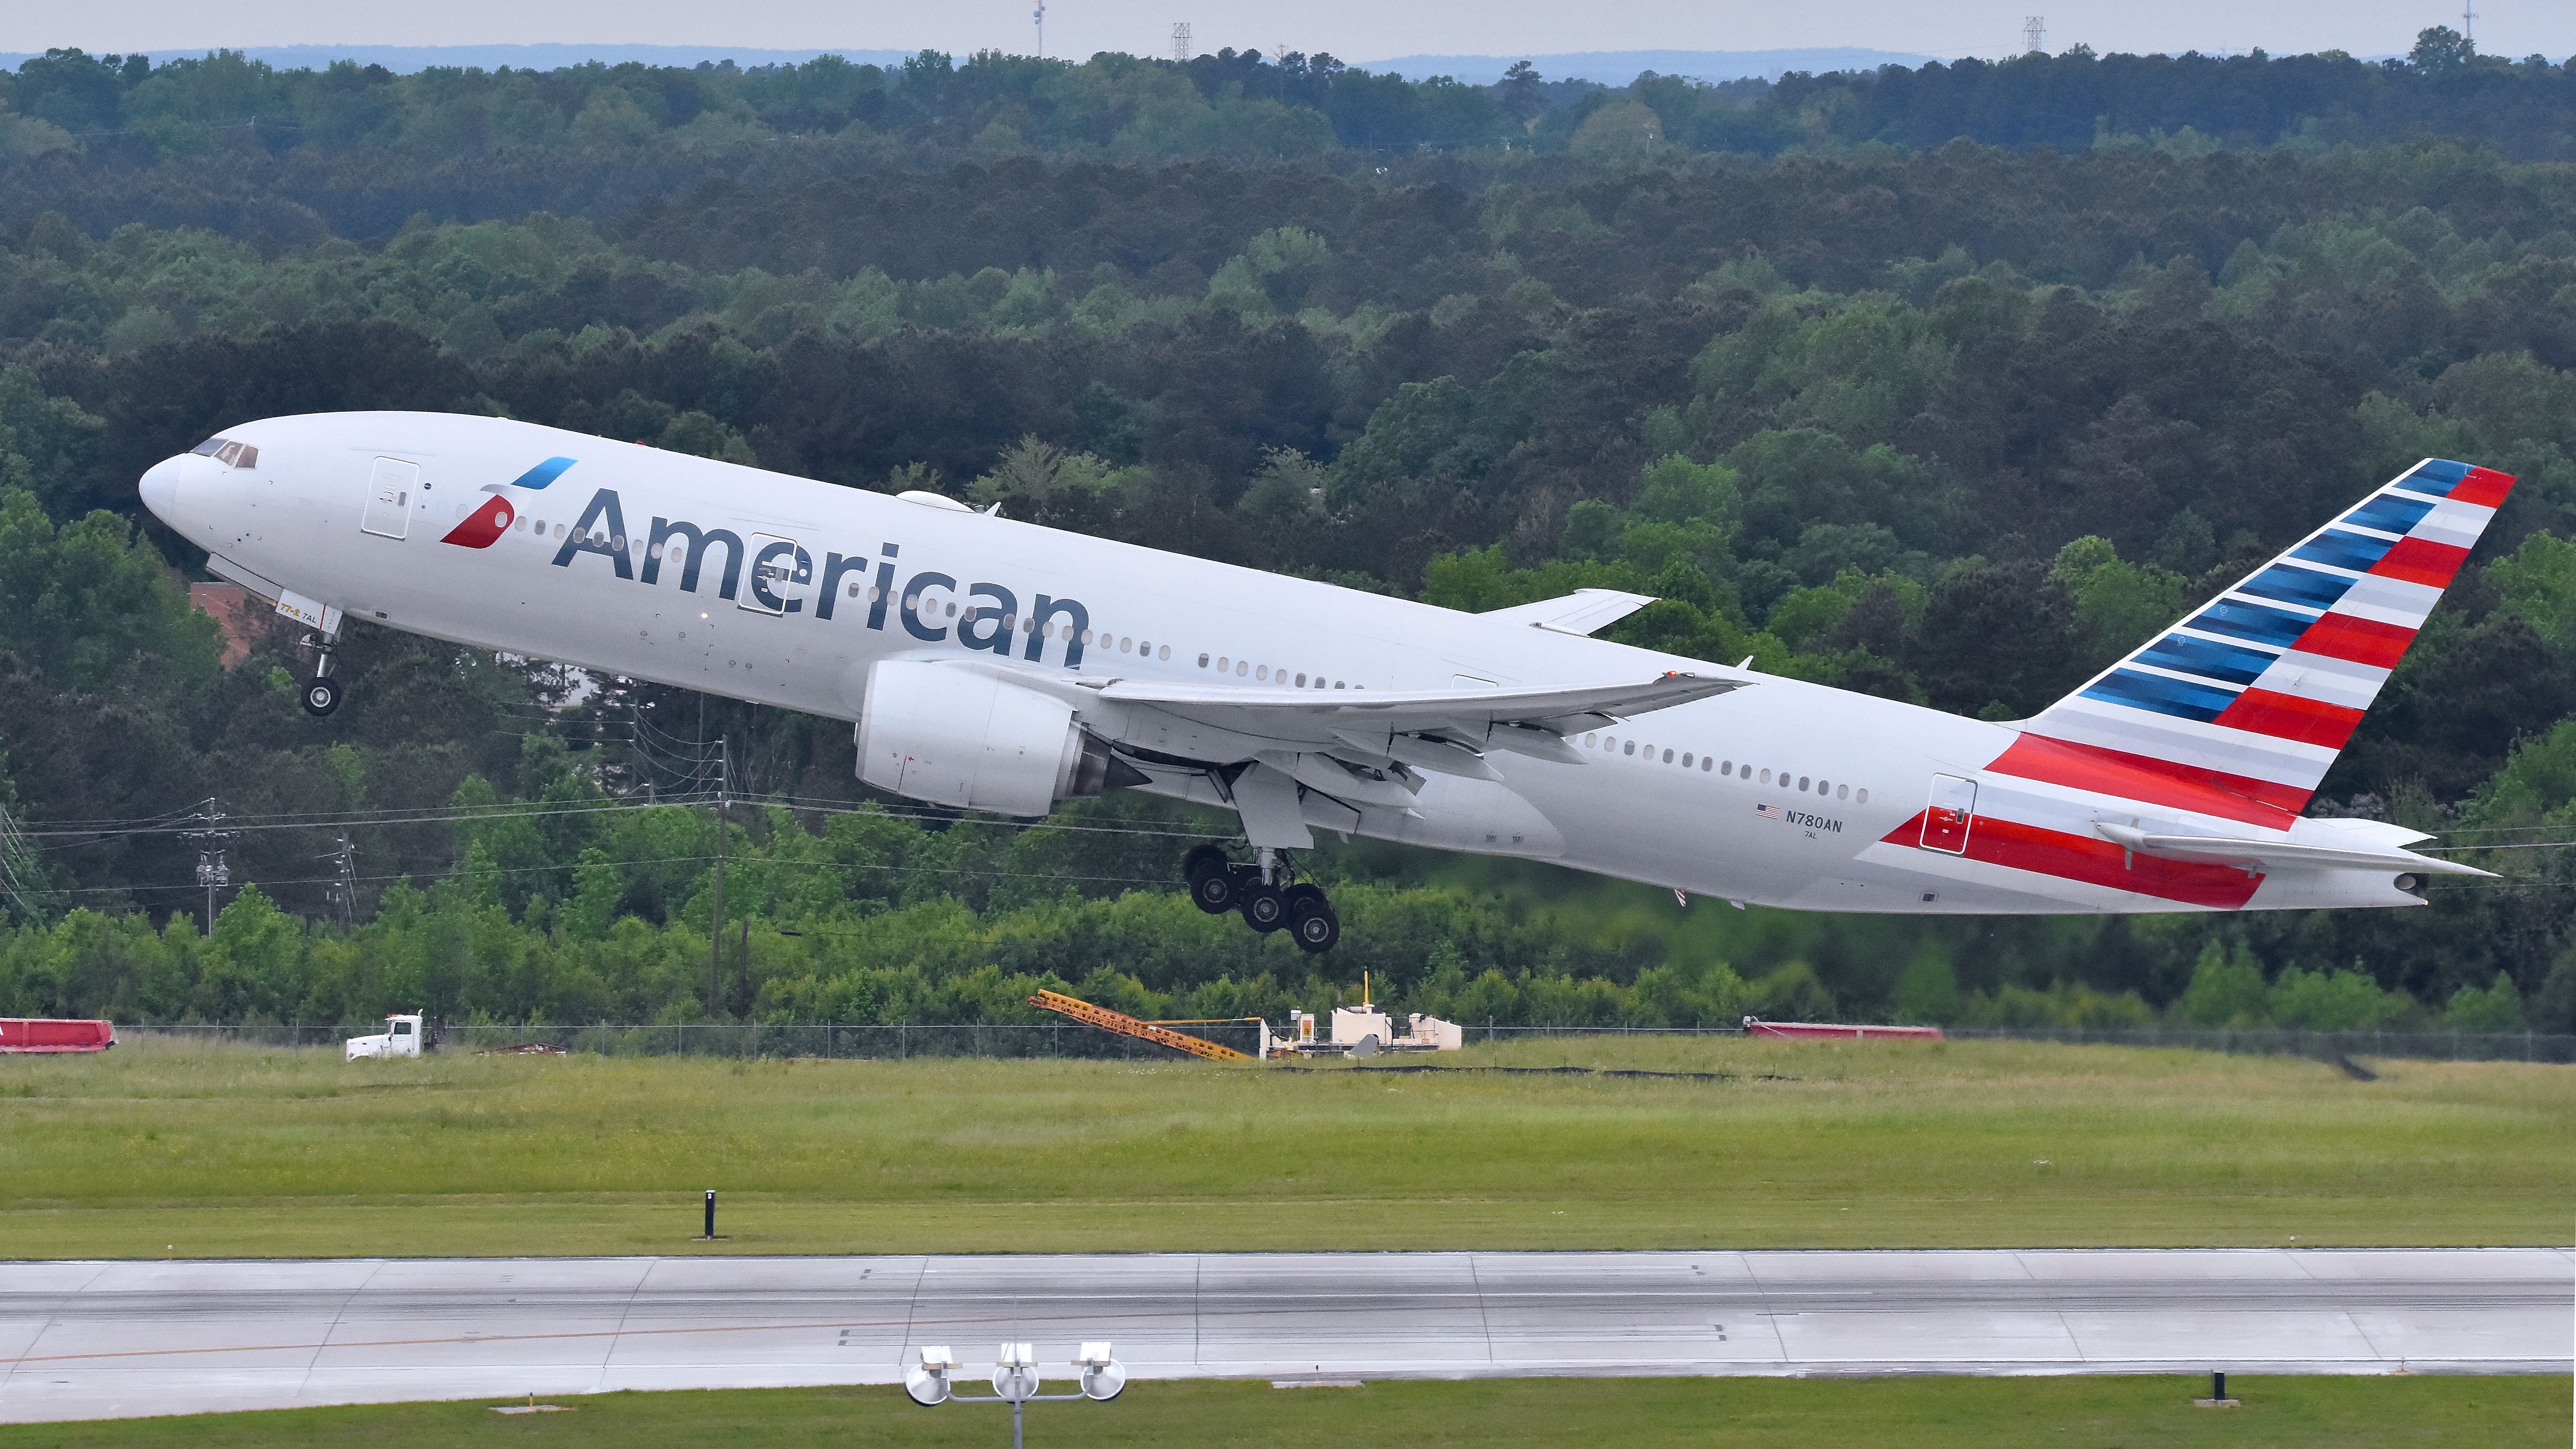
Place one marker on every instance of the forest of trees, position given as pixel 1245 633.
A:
pixel 1948 385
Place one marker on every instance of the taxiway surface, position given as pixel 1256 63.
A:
pixel 113 1339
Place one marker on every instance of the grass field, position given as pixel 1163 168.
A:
pixel 2058 1413
pixel 159 1149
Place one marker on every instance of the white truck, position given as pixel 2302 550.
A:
pixel 400 1038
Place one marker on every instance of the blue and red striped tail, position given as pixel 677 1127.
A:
pixel 2240 710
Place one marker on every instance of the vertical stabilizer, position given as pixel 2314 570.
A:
pixel 2240 709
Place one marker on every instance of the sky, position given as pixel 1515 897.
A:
pixel 1356 30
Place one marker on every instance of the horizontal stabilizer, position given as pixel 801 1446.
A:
pixel 1583 612
pixel 2278 854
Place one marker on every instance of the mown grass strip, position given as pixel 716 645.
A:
pixel 195 1151
pixel 1924 1413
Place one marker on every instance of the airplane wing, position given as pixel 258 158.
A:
pixel 1474 713
pixel 1583 612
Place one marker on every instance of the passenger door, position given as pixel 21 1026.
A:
pixel 1952 811
pixel 388 512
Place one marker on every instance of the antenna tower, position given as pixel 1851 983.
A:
pixel 2469 21
pixel 2034 35
pixel 1040 17
pixel 1181 41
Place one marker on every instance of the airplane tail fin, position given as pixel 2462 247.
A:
pixel 2240 709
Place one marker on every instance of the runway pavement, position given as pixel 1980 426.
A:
pixel 102 1340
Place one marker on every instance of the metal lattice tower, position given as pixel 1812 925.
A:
pixel 1181 41
pixel 2034 35
pixel 2469 21
pixel 1040 17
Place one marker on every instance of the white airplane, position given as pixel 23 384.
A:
pixel 989 664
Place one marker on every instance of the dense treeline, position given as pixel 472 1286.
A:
pixel 1956 424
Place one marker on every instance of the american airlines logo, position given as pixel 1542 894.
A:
pixel 988 616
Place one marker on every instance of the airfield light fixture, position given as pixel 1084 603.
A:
pixel 927 1381
pixel 1015 1380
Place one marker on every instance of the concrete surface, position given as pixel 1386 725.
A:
pixel 112 1339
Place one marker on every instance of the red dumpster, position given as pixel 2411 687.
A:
pixel 39 1034
pixel 1755 1026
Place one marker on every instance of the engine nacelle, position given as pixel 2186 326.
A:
pixel 962 738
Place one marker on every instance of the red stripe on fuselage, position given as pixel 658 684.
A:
pixel 2151 781
pixel 2421 561
pixel 2094 861
pixel 2289 717
pixel 2362 641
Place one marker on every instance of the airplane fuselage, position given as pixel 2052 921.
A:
pixel 627 560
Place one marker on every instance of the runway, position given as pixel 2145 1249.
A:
pixel 111 1339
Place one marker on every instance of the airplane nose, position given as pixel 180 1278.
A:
pixel 160 489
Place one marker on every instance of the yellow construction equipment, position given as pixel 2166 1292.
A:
pixel 1125 1025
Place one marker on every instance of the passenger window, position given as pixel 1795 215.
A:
pixel 1163 653
pixel 1337 684
pixel 1301 681
pixel 1686 759
pixel 1864 796
pixel 1242 667
pixel 1262 673
pixel 1630 748
pixel 1668 757
pixel 1766 777
pixel 1727 768
pixel 1202 661
pixel 1591 740
pixel 1126 646
pixel 1220 664
pixel 1802 782
pixel 1842 792
pixel 1704 763
pixel 559 530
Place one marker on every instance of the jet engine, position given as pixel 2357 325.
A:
pixel 957 737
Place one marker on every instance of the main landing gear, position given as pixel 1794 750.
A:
pixel 322 692
pixel 1259 892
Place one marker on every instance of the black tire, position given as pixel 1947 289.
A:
pixel 1216 892
pixel 1305 899
pixel 1265 907
pixel 1202 860
pixel 321 696
pixel 1317 931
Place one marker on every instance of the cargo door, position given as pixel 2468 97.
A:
pixel 1952 810
pixel 389 491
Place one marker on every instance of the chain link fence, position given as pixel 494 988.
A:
pixel 901 1041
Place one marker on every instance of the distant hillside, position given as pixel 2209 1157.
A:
pixel 1619 67
pixel 409 59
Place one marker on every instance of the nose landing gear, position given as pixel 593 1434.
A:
pixel 322 692
pixel 1259 892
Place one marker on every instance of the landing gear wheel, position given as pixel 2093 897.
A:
pixel 321 696
pixel 1216 891
pixel 1316 931
pixel 1265 907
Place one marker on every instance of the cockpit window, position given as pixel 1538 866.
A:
pixel 228 452
pixel 210 446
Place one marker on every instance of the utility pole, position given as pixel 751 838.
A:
pixel 210 836
pixel 715 914
pixel 348 883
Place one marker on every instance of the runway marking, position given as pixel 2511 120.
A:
pixel 610 1333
